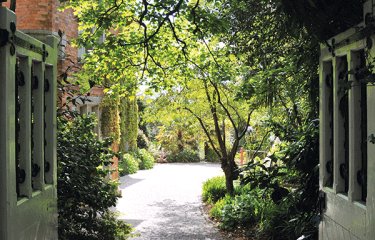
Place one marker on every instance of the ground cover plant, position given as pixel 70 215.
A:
pixel 85 194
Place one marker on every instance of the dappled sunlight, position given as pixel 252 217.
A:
pixel 166 202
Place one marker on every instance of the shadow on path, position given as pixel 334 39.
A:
pixel 165 203
pixel 127 181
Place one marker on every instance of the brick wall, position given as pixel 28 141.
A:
pixel 43 17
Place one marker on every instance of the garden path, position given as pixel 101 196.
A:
pixel 164 203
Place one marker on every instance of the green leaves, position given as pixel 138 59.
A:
pixel 84 193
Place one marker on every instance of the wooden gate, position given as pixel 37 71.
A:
pixel 347 149
pixel 28 198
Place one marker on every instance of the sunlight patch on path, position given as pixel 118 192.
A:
pixel 165 202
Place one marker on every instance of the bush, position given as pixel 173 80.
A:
pixel 210 155
pixel 214 189
pixel 217 209
pixel 240 211
pixel 142 140
pixel 128 164
pixel 185 156
pixel 84 193
pixel 145 159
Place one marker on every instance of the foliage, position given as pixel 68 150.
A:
pixel 137 160
pixel 324 19
pixel 175 130
pixel 215 62
pixel 216 211
pixel 184 156
pixel 128 164
pixel 240 211
pixel 294 167
pixel 145 159
pixel 142 140
pixel 129 124
pixel 110 119
pixel 210 155
pixel 280 222
pixel 213 189
pixel 84 193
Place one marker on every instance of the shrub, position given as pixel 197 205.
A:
pixel 214 189
pixel 184 156
pixel 84 193
pixel 240 211
pixel 142 140
pixel 210 155
pixel 217 209
pixel 128 164
pixel 145 158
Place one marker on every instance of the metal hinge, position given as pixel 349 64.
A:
pixel 4 37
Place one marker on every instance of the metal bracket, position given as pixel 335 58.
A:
pixel 4 37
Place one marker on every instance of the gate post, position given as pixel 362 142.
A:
pixel 8 196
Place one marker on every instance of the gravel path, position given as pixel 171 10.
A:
pixel 165 203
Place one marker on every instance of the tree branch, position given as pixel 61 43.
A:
pixel 205 131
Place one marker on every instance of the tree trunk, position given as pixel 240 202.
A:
pixel 229 176
pixel 229 183
pixel 180 144
pixel 230 168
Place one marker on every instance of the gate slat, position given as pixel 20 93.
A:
pixel 38 125
pixel 25 121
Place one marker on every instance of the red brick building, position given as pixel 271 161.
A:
pixel 40 18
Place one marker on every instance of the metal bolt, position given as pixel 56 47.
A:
pixel 13 27
pixel 12 49
pixel 35 170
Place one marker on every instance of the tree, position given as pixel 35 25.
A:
pixel 221 112
pixel 211 97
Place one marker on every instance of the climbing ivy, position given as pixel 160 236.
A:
pixel 110 119
pixel 129 124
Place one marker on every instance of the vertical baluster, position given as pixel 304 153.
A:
pixel 50 114
pixel 354 127
pixel 344 111
pixel 326 126
pixel 361 171
pixel 331 126
pixel 24 85
pixel 341 128
pixel 20 173
pixel 38 126
pixel 362 174
pixel 48 109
